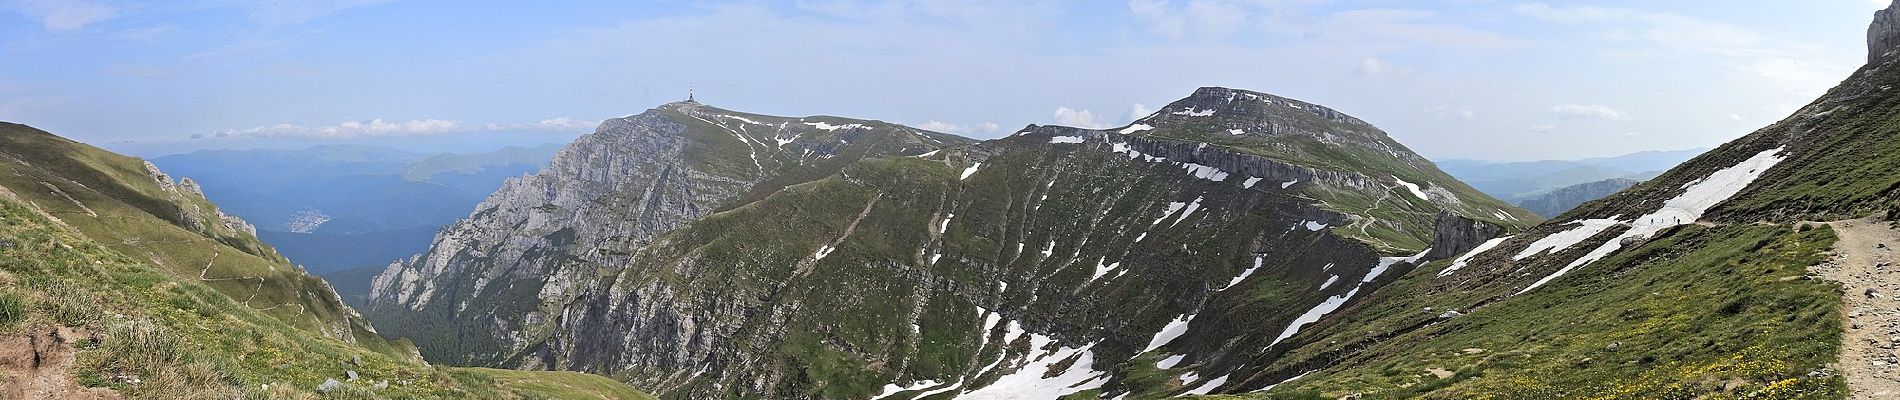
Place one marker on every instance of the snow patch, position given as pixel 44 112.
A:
pixel 1284 185
pixel 1168 333
pixel 1257 260
pixel 931 153
pixel 1333 303
pixel 970 171
pixel 1685 208
pixel 1204 388
pixel 1191 207
pixel 1191 112
pixel 1065 139
pixel 891 389
pixel 1205 172
pixel 945 225
pixel 1413 187
pixel 829 127
pixel 1313 225
pixel 1475 251
pixel 1329 282
pixel 1031 381
pixel 1101 269
pixel 1249 183
pixel 822 252
pixel 1236 132
pixel 1170 362
pixel 1294 378
pixel 1559 241
pixel 1135 128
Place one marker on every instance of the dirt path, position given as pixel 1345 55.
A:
pixel 1863 264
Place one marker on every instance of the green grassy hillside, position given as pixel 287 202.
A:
pixel 155 295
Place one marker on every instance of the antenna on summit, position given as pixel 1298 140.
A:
pixel 689 94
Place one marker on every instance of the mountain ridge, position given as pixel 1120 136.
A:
pixel 751 290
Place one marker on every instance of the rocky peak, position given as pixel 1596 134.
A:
pixel 1243 109
pixel 1884 34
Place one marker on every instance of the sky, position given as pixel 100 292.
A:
pixel 1495 80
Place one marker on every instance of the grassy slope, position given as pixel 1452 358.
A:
pixel 1404 221
pixel 121 206
pixel 186 339
pixel 1701 312
pixel 127 261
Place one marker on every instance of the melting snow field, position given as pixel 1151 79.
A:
pixel 1065 139
pixel 1313 225
pixel 970 171
pixel 1333 303
pixel 1102 269
pixel 1167 334
pixel 830 127
pixel 822 252
pixel 1482 247
pixel 1170 362
pixel 891 389
pixel 1559 241
pixel 1209 386
pixel 1205 172
pixel 1249 183
pixel 1257 260
pixel 1135 128
pixel 1028 382
pixel 1284 185
pixel 1685 208
pixel 1413 187
pixel 1191 112
pixel 1294 378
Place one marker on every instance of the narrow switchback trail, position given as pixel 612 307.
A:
pixel 1863 264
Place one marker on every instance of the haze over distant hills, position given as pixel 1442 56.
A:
pixel 1515 181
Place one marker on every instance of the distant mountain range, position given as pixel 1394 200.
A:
pixel 1516 181
pixel 336 207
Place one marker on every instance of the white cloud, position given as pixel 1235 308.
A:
pixel 1139 111
pixel 946 127
pixel 1078 118
pixel 1450 111
pixel 1596 111
pixel 381 128
pixel 561 124
pixel 1373 66
pixel 1799 69
pixel 63 15
pixel 1734 117
pixel 1543 129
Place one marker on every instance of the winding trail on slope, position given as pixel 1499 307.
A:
pixel 1863 265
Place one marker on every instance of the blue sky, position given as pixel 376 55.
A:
pixel 1451 79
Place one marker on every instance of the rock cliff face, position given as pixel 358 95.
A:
pixel 540 239
pixel 703 253
pixel 1884 34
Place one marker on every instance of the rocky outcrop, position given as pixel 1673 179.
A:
pixel 1884 34
pixel 1455 234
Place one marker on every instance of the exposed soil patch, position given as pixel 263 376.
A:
pixel 36 365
